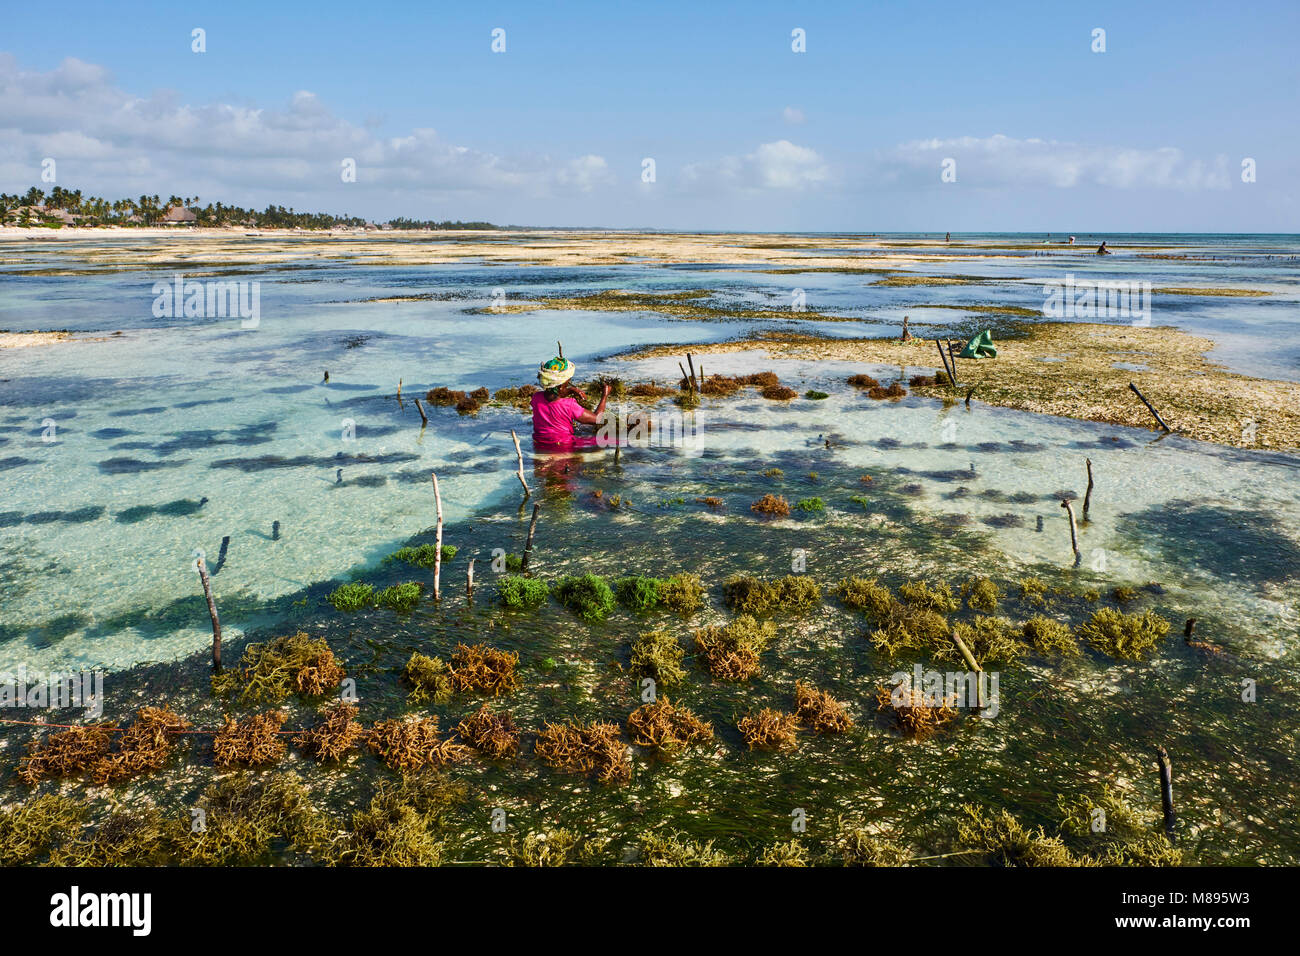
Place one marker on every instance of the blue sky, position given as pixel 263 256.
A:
pixel 1045 134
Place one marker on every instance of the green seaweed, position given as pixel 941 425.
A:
pixel 271 672
pixel 981 594
pixel 401 825
pixel 935 597
pixel 682 593
pixel 657 655
pixel 430 679
pixel 422 556
pixel 30 831
pixel 588 596
pixel 1050 636
pixel 1126 636
pixel 517 591
pixel 352 596
pixel 637 593
pixel 677 849
pixel 401 598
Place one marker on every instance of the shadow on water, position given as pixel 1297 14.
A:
pixel 1222 541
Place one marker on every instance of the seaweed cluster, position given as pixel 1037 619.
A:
pixel 588 596
pixel 1049 635
pixel 770 504
pixel 658 656
pixel 466 403
pixel 638 593
pixel 517 591
pixel 401 598
pixel 423 555
pixel 914 715
pixel 336 734
pixel 731 652
pixel 252 742
pixel 666 727
pixel 271 672
pixel 143 746
pixel 677 849
pixel 1127 636
pixel 401 825
pixel 747 594
pixel 429 678
pixel 490 732
pixel 352 596
pixel 410 744
pixel 819 711
pixel 474 669
pixel 682 593
pixel 594 748
pixel 480 669
pixel 768 729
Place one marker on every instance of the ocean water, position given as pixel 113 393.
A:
pixel 123 455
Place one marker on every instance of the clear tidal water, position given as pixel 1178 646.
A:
pixel 177 434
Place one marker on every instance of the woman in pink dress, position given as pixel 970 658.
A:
pixel 557 408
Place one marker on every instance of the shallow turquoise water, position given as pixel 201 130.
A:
pixel 174 434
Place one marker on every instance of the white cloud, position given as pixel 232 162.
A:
pixel 780 165
pixel 793 115
pixel 1002 161
pixel 109 141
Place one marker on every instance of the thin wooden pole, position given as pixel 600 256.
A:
pixel 950 372
pixel 399 393
pixel 469 582
pixel 1166 790
pixel 1087 496
pixel 519 453
pixel 1151 408
pixel 690 386
pixel 437 555
pixel 974 666
pixel 1074 534
pixel 201 566
pixel 424 419
pixel 694 384
pixel 559 348
pixel 528 544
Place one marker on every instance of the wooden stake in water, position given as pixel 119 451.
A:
pixel 519 454
pixel 424 419
pixel 1074 532
pixel 528 544
pixel 399 393
pixel 1151 408
pixel 690 384
pixel 437 554
pixel 974 666
pixel 469 582
pixel 201 566
pixel 1087 495
pixel 1166 790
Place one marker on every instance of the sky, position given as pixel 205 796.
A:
pixel 1038 131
